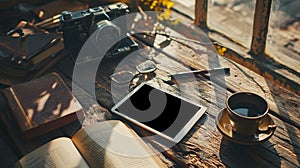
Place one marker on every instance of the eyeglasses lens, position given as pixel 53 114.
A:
pixel 146 67
pixel 122 77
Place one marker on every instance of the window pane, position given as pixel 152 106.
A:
pixel 186 7
pixel 234 18
pixel 283 42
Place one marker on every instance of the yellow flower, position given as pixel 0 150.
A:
pixel 221 50
pixel 161 5
pixel 170 4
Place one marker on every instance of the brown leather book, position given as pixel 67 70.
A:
pixel 42 105
pixel 26 53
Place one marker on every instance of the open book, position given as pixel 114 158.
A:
pixel 105 144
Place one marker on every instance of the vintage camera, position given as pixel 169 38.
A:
pixel 78 26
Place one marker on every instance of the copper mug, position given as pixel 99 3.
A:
pixel 246 111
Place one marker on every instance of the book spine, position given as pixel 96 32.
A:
pixel 52 126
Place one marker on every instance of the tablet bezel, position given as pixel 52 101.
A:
pixel 181 133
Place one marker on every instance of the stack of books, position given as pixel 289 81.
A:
pixel 28 50
pixel 40 107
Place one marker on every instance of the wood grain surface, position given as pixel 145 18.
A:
pixel 204 146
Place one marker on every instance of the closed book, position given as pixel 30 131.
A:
pixel 43 65
pixel 23 53
pixel 49 52
pixel 42 105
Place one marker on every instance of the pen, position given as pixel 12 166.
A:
pixel 202 72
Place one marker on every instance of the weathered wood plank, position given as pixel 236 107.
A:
pixel 242 79
pixel 275 72
pixel 249 81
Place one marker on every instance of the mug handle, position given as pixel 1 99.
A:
pixel 270 127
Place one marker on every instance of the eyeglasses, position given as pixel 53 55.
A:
pixel 143 73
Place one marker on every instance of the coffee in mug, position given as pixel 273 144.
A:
pixel 246 111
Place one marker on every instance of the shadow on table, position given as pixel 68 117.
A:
pixel 236 155
pixel 287 112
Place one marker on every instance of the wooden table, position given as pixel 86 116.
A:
pixel 204 145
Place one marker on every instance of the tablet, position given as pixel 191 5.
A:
pixel 161 113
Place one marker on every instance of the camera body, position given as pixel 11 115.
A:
pixel 78 26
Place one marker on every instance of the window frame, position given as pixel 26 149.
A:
pixel 259 62
pixel 260 23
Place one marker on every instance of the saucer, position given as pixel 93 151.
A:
pixel 224 126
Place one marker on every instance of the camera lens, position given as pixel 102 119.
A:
pixel 107 35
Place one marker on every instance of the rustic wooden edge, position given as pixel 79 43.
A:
pixel 266 88
pixel 264 66
pixel 266 69
pixel 257 49
pixel 201 13
pixel 260 26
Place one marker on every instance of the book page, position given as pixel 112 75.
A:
pixel 112 144
pixel 57 153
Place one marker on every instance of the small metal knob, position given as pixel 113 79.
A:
pixel 67 15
